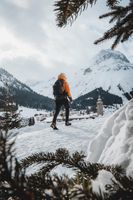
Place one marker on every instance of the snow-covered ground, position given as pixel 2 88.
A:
pixel 30 112
pixel 114 143
pixel 41 138
pixel 106 139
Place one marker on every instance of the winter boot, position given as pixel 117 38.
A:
pixel 53 125
pixel 68 124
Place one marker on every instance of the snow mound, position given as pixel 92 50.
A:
pixel 114 143
pixel 103 179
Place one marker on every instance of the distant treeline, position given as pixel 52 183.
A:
pixel 27 98
pixel 90 99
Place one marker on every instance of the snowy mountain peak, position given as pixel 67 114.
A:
pixel 110 54
pixel 7 78
pixel 109 60
pixel 4 72
pixel 22 94
pixel 108 69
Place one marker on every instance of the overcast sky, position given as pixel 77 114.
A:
pixel 32 47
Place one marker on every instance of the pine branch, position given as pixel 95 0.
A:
pixel 42 185
pixel 123 189
pixel 111 3
pixel 68 10
pixel 74 161
pixel 124 25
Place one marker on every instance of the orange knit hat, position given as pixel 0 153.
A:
pixel 62 76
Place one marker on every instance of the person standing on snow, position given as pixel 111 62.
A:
pixel 62 94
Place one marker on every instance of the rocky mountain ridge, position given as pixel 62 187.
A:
pixel 21 93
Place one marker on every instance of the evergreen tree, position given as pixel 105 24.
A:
pixel 11 118
pixel 12 178
pixel 15 185
pixel 80 186
pixel 68 10
pixel 44 186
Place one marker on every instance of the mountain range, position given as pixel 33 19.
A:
pixel 109 70
pixel 90 99
pixel 21 93
pixel 109 74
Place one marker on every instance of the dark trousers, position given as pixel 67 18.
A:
pixel 58 104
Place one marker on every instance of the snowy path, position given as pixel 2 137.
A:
pixel 41 137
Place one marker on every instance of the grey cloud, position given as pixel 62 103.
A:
pixel 25 23
pixel 25 68
pixel 65 49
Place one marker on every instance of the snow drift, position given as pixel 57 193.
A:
pixel 114 143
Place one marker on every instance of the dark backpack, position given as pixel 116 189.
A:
pixel 57 88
